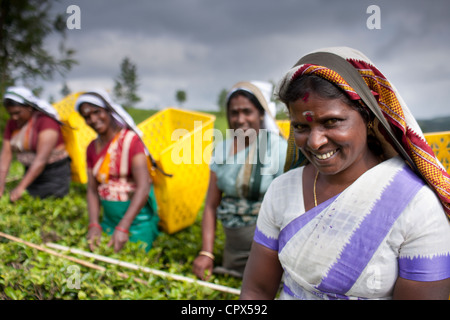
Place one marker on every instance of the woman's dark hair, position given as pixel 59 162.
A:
pixel 327 90
pixel 13 103
pixel 249 96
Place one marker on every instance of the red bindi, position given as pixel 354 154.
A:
pixel 305 97
pixel 308 116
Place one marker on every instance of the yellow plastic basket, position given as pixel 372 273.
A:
pixel 440 143
pixel 179 141
pixel 181 144
pixel 285 127
pixel 77 136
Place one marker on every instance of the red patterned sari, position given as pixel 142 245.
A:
pixel 112 170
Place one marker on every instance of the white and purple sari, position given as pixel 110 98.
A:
pixel 387 224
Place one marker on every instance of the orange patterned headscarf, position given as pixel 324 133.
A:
pixel 394 120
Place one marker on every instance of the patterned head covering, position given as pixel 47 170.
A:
pixel 24 96
pixel 395 127
pixel 263 92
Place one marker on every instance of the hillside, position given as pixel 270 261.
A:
pixel 435 125
pixel 431 125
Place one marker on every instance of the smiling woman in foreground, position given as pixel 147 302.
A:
pixel 361 211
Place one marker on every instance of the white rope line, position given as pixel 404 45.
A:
pixel 144 269
pixel 128 265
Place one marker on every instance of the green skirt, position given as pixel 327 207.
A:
pixel 145 225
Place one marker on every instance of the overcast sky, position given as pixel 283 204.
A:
pixel 204 46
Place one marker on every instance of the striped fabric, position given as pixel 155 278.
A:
pixel 388 223
pixel 112 170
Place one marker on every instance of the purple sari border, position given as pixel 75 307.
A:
pixel 264 240
pixel 373 229
pixel 298 223
pixel 418 268
pixel 289 291
pixel 323 295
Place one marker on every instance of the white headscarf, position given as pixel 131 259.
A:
pixel 23 95
pixel 263 92
pixel 118 112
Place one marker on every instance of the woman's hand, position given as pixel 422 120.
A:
pixel 202 267
pixel 16 194
pixel 94 236
pixel 118 239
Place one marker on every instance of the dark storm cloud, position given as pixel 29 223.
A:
pixel 203 46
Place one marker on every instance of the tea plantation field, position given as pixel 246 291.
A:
pixel 27 273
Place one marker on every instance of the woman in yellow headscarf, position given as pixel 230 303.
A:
pixel 361 211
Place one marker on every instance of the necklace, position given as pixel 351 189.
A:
pixel 315 181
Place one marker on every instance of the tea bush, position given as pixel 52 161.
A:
pixel 30 274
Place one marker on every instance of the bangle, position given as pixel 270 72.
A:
pixel 95 225
pixel 207 254
pixel 122 230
